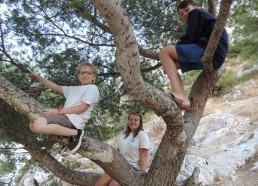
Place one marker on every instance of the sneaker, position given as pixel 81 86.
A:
pixel 75 141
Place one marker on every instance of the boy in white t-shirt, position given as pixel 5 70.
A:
pixel 80 100
pixel 133 144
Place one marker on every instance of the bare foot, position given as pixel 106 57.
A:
pixel 182 104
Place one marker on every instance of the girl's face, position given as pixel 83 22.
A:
pixel 133 122
pixel 184 12
pixel 86 75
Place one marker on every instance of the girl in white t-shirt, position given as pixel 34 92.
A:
pixel 133 144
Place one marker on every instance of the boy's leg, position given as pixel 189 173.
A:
pixel 169 59
pixel 64 128
pixel 41 126
pixel 75 141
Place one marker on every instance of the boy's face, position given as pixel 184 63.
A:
pixel 184 12
pixel 86 75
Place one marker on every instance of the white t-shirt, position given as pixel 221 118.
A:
pixel 75 95
pixel 130 147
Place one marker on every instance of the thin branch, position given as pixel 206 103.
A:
pixel 12 148
pixel 92 19
pixel 11 60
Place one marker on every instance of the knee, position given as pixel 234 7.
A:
pixel 167 51
pixel 37 125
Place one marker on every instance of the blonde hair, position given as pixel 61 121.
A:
pixel 86 63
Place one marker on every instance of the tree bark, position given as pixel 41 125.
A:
pixel 19 100
pixel 212 7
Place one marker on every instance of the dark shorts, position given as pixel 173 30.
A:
pixel 59 119
pixel 189 56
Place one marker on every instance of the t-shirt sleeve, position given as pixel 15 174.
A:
pixel 65 91
pixel 144 140
pixel 91 95
pixel 119 138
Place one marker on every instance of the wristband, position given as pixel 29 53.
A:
pixel 60 108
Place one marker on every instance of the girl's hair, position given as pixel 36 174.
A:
pixel 128 130
pixel 94 69
pixel 185 3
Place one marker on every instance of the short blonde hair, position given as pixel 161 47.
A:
pixel 86 63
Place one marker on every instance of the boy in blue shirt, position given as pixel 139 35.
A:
pixel 186 54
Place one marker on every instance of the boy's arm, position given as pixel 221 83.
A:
pixel 195 25
pixel 75 109
pixel 46 83
pixel 69 110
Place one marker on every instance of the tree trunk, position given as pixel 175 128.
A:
pixel 180 130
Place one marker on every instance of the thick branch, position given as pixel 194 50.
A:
pixel 68 175
pixel 148 54
pixel 216 34
pixel 21 101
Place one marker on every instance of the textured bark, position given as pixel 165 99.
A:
pixel 212 7
pixel 19 100
pixel 68 175
pixel 180 129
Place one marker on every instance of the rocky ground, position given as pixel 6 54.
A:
pixel 228 136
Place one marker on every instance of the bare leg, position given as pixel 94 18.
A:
pixel 104 180
pixel 41 126
pixel 169 59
